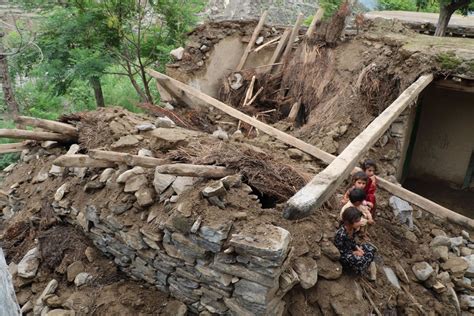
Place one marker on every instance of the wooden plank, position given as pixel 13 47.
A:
pixel 279 49
pixel 12 148
pixel 294 33
pixel 188 170
pixel 58 127
pixel 266 44
pixel 323 185
pixel 81 161
pixel 34 135
pixel 317 17
pixel 403 193
pixel 249 47
pixel 282 136
pixel 128 159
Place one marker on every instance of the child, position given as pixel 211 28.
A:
pixel 358 258
pixel 359 181
pixel 356 199
pixel 370 167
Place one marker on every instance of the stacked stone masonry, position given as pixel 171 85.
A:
pixel 200 263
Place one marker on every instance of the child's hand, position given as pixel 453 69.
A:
pixel 370 204
pixel 370 221
pixel 358 252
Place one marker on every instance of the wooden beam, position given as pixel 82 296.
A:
pixel 294 33
pixel 266 44
pixel 81 161
pixel 128 159
pixel 58 127
pixel 187 170
pixel 323 185
pixel 279 49
pixel 34 135
pixel 403 193
pixel 282 136
pixel 12 148
pixel 249 47
pixel 317 17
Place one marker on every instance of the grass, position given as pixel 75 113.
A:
pixel 448 61
pixel 7 159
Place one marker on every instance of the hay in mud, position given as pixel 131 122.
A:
pixel 274 179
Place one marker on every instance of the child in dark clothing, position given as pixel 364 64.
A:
pixel 370 167
pixel 355 257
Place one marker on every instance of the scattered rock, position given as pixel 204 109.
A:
pixel 216 188
pixel 466 301
pixel 307 270
pixel 61 191
pixel 196 225
pixel 441 253
pixel 182 184
pixel 232 181
pixel 165 122
pixel 440 241
pixel 397 129
pixel 125 141
pixel 42 175
pixel 177 53
pixel 328 269
pixel 470 270
pixel 28 307
pixel 402 275
pixel 220 134
pixel 145 127
pixel 465 251
pixel 145 153
pixel 29 264
pixel 259 40
pixel 435 232
pixel 411 236
pixel 90 254
pixel 330 250
pixel 438 287
pixel 162 181
pixel 82 278
pixel 391 277
pixel 106 174
pixel 74 269
pixel 465 235
pixel 93 185
pixel 53 301
pixel 422 270
pixel 125 176
pixel 455 265
pixel 145 196
pixel 402 210
pixel 61 312
pixel 294 153
pixel 136 183
pixel 171 138
pixel 216 201
pixel 236 80
pixel 456 241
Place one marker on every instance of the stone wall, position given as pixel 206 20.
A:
pixel 198 261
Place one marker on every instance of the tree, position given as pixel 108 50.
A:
pixel 8 95
pixel 447 8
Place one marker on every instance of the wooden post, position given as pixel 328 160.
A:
pixel 53 126
pixel 249 47
pixel 295 109
pixel 81 161
pixel 280 47
pixel 12 148
pixel 317 17
pixel 294 33
pixel 24 134
pixel 407 195
pixel 323 185
pixel 131 160
pixel 187 170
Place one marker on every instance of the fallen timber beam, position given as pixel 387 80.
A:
pixel 282 136
pixel 249 47
pixel 81 161
pixel 34 135
pixel 317 17
pixel 324 184
pixel 58 127
pixel 12 148
pixel 128 159
pixel 424 203
pixel 187 170
pixel 294 33
pixel 279 49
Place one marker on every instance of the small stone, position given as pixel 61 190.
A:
pixel 455 265
pixel 145 153
pixel 232 181
pixel 391 277
pixel 239 215
pixel 259 40
pixel 328 269
pixel 61 312
pixel 294 153
pixel 74 269
pixel 465 235
pixel 441 253
pixel 145 196
pixel 106 175
pixel 204 48
pixel 168 106
pixel 136 183
pixel 435 232
pixel 42 175
pixel 456 241
pixel 25 309
pixel 177 53
pixel 165 122
pixel 29 264
pixel 330 250
pixel 237 135
pixel 182 184
pixel 444 277
pixel 465 251
pixel 82 278
pixel 196 225
pixel 422 270
pixel 93 186
pixel 440 241
pixel 214 189
pixel 125 141
pixel 61 191
pixel 174 199
pixel 145 127
pixel 90 254
pixel 307 270
pixel 402 275
pixel 125 176
pixel 174 308
pixel 467 301
pixel 162 181
pixel 411 236
pixel 9 167
pixel 438 287
pixel 220 134
pixel 470 270
pixel 236 80
pixel 53 301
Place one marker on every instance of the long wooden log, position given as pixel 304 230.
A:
pixel 249 47
pixel 317 17
pixel 294 33
pixel 282 136
pixel 407 195
pixel 187 170
pixel 131 160
pixel 12 148
pixel 323 185
pixel 280 47
pixel 81 161
pixel 34 135
pixel 58 127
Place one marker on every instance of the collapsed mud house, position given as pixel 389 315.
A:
pixel 198 203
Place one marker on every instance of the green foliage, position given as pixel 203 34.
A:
pixel 448 61
pixel 7 159
pixel 330 7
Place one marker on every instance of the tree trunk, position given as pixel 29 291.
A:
pixel 99 96
pixel 8 94
pixel 146 85
pixel 443 21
